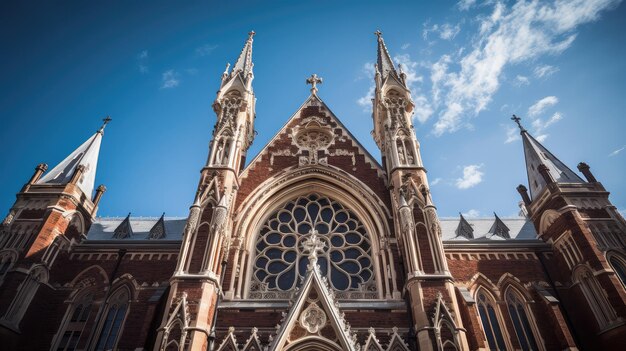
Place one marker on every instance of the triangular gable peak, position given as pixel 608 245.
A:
pixel 314 316
pixel 230 342
pixel 396 343
pixel 178 322
pixel 253 343
pixel 158 230
pixel 372 343
pixel 124 230
pixel 464 229
pixel 444 325
pixel 316 136
pixel 499 228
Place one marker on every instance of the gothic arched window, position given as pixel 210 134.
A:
pixel 6 262
pixel 596 296
pixel 77 317
pixel 281 262
pixel 489 318
pixel 521 322
pixel 115 313
pixel 616 262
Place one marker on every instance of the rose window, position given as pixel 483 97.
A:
pixel 281 258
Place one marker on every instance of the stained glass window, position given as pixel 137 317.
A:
pixel 520 322
pixel 281 261
pixel 490 323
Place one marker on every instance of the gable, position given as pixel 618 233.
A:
pixel 313 136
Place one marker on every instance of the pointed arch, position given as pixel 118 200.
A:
pixel 111 325
pixel 616 260
pixel 491 319
pixel 81 309
pixel 8 258
pixel 175 330
pixel 36 276
pixel 396 343
pixel 327 181
pixel 313 343
pixel 547 218
pixel 230 342
pixel 595 295
pixel 523 319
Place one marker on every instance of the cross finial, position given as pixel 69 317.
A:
pixel 251 34
pixel 378 33
pixel 314 80
pixel 517 120
pixel 105 121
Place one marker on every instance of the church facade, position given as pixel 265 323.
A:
pixel 313 245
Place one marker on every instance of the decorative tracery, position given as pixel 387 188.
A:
pixel 281 253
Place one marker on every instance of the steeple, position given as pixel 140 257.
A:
pixel 542 166
pixel 84 160
pixel 384 64
pixel 243 65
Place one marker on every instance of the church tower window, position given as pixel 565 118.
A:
pixel 619 266
pixel 77 318
pixel 281 262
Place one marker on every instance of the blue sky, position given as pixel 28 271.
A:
pixel 155 67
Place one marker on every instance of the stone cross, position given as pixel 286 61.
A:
pixel 251 34
pixel 378 33
pixel 313 245
pixel 517 120
pixel 106 121
pixel 314 80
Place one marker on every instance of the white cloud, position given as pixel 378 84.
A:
pixel 367 71
pixel 473 213
pixel 435 181
pixel 521 80
pixel 410 69
pixel 170 79
pixel 142 57
pixel 545 71
pixel 472 176
pixel 405 46
pixel 510 35
pixel 512 134
pixel 541 138
pixel 445 31
pixel 615 152
pixel 540 125
pixel 541 105
pixel 205 50
pixel 423 110
pixel 465 5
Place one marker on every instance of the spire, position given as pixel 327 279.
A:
pixel 124 230
pixel 244 62
pixel 85 155
pixel 538 160
pixel 384 64
pixel 464 229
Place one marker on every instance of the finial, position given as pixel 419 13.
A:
pixel 313 245
pixel 314 80
pixel 251 34
pixel 378 33
pixel 106 121
pixel 517 120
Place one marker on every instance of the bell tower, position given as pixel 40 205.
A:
pixel 51 213
pixel 415 216
pixel 197 282
pixel 586 233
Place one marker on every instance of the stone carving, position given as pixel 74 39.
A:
pixel 313 318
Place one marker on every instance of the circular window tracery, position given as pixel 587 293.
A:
pixel 281 260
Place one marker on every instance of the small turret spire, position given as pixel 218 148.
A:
pixel 244 62
pixel 85 158
pixel 383 62
pixel 540 160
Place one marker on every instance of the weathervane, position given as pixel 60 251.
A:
pixel 314 80
pixel 517 120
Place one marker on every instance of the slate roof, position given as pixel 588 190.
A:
pixel 520 229
pixel 104 228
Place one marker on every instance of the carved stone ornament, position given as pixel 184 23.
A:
pixel 313 319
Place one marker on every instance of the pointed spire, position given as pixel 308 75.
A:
pixel 124 230
pixel 539 160
pixel 384 64
pixel 464 229
pixel 244 62
pixel 85 155
pixel 499 228
pixel 158 230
